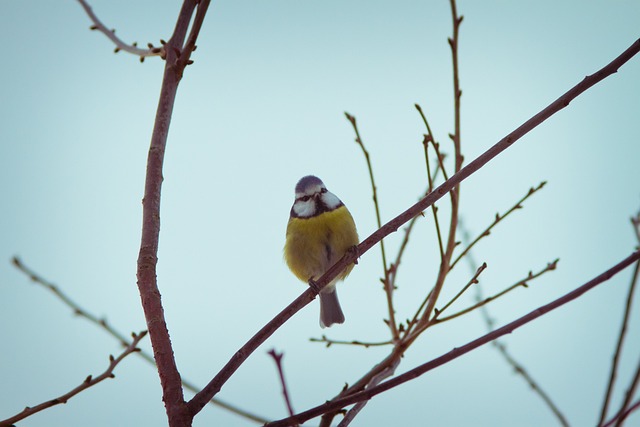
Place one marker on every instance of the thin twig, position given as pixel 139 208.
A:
pixel 435 319
pixel 444 257
pixel 393 268
pixel 472 281
pixel 121 45
pixel 631 391
pixel 351 414
pixel 625 414
pixel 216 383
pixel 387 285
pixel 497 220
pixel 190 46
pixel 122 339
pixel 523 282
pixel 457 92
pixel 88 382
pixel 337 404
pixel 277 358
pixel 427 138
pixel 621 337
pixel 636 225
pixel 455 191
pixel 329 342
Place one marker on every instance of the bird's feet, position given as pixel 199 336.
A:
pixel 353 251
pixel 314 286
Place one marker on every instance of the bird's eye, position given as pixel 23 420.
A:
pixel 305 198
pixel 324 190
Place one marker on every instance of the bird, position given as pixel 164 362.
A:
pixel 319 232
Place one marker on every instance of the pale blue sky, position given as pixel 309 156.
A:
pixel 262 106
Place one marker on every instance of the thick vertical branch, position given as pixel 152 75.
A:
pixel 176 59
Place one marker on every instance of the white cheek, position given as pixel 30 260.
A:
pixel 331 200
pixel 304 209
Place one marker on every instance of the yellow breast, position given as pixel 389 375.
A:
pixel 315 244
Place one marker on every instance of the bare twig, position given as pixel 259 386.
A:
pixel 472 281
pixel 386 373
pixel 497 220
pixel 435 319
pixel 634 407
pixel 387 283
pixel 336 404
pixel 523 282
pixel 631 391
pixel 277 357
pixel 429 137
pixel 330 342
pixel 308 295
pixel 124 341
pixel 621 337
pixel 88 382
pixel 635 221
pixel 121 45
pixel 454 193
pixel 393 268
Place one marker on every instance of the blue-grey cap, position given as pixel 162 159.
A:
pixel 306 182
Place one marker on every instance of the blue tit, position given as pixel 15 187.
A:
pixel 319 232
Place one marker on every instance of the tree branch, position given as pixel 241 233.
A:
pixel 88 382
pixel 531 276
pixel 124 341
pixel 176 60
pixel 277 358
pixel 634 407
pixel 214 386
pixel 337 404
pixel 120 45
pixel 385 267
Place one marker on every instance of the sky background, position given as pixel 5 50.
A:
pixel 262 106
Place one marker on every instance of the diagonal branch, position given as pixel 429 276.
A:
pixel 472 281
pixel 124 341
pixel 633 407
pixel 87 383
pixel 337 404
pixel 214 386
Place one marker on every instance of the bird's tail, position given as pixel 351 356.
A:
pixel 330 311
